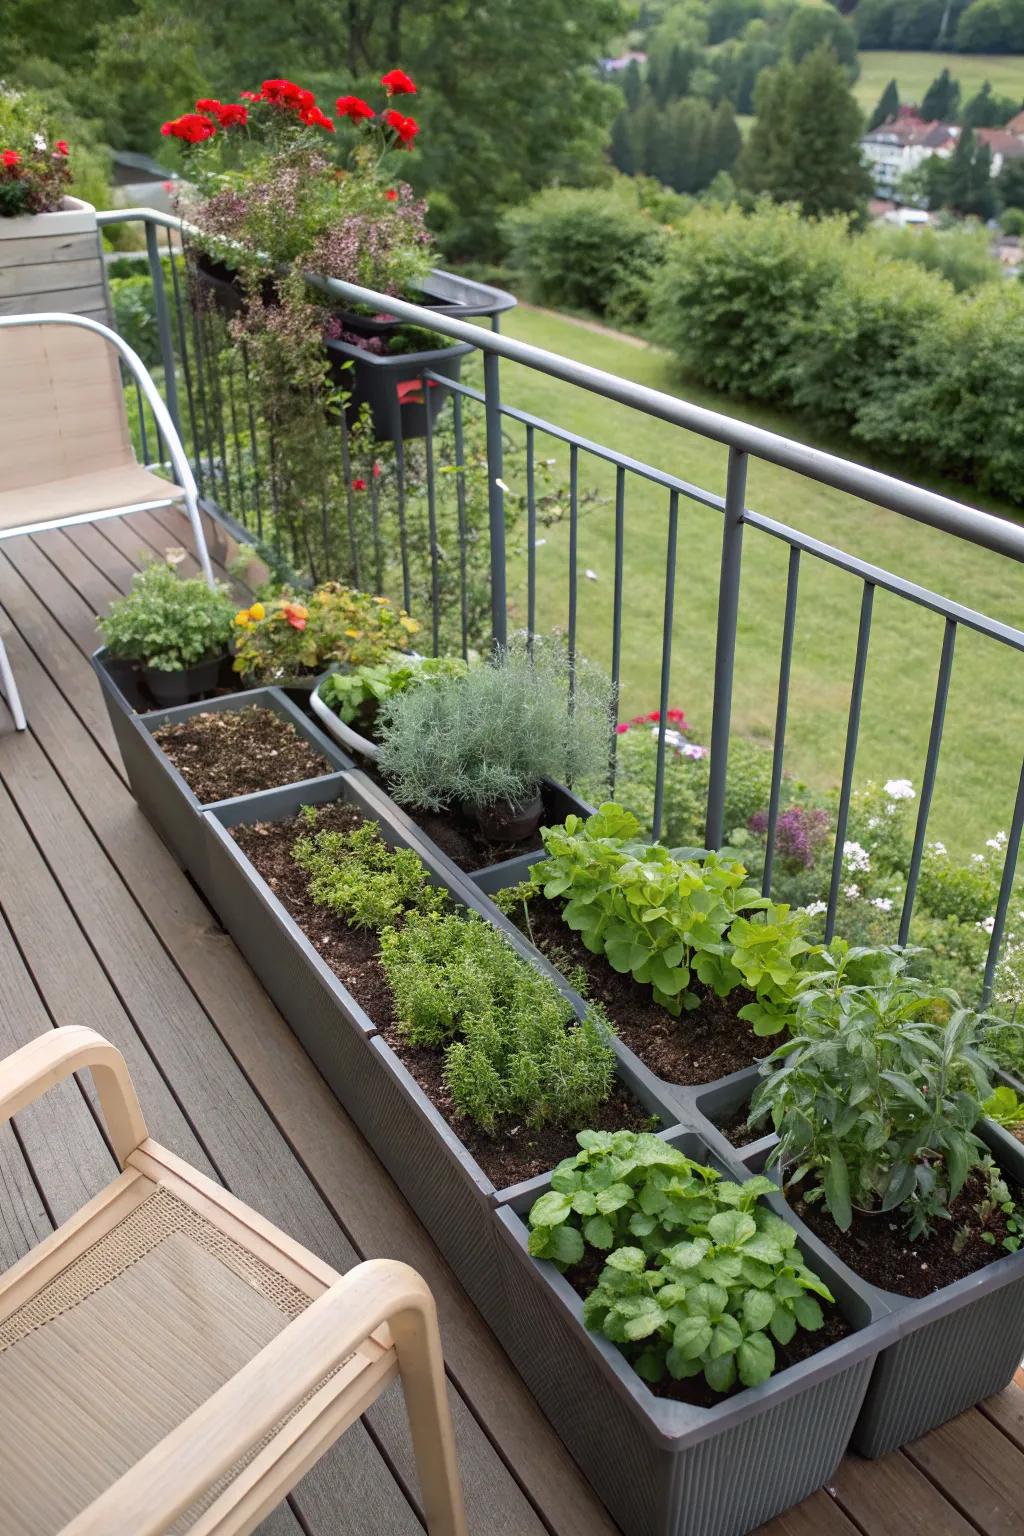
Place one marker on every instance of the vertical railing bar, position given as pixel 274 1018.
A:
pixel 186 368
pixel 143 439
pixel 531 537
pixel 346 470
pixel 163 323
pixel 495 498
pixel 435 574
pixel 781 716
pixel 620 523
pixel 201 390
pixel 252 444
pixel 666 658
pixel 460 499
pixel 403 535
pixel 242 497
pixel 378 548
pixel 725 643
pixel 224 479
pixel 574 487
pixel 850 756
pixel 1005 892
pixel 930 769
pixel 275 504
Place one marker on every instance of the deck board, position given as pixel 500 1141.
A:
pixel 99 926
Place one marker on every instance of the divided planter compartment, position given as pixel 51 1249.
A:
pixel 161 791
pixel 952 1349
pixel 441 1180
pixel 559 803
pixel 665 1468
pixel 714 1104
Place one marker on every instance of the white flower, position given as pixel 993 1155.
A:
pixel 939 848
pixel 987 924
pixel 815 908
pixel 883 903
pixel 500 484
pixel 851 892
pixel 856 856
pixel 977 858
pixel 998 842
pixel 672 738
pixel 39 142
pixel 873 822
pixel 899 789
pixel 538 542
pixel 690 749
pixel 590 575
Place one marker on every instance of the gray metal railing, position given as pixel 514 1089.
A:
pixel 210 422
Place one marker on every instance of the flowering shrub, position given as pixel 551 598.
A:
pixel 297 634
pixel 35 163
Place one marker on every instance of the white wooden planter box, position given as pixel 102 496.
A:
pixel 53 261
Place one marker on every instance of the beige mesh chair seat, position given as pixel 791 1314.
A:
pixel 65 449
pixel 170 1362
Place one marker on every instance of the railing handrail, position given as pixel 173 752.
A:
pixel 962 521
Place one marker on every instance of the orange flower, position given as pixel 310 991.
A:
pixel 296 615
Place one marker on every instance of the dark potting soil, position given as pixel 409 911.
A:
pixel 583 1277
pixel 736 1130
pixel 465 844
pixel 877 1248
pixel 225 752
pixel 515 1151
pixel 697 1047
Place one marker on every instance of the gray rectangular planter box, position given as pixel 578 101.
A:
pixel 440 1179
pixel 161 791
pixel 711 1105
pixel 952 1349
pixel 665 1468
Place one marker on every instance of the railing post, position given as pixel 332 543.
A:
pixel 725 644
pixel 163 325
pixel 495 498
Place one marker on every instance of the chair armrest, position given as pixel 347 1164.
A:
pixel 47 1060
pixel 195 1455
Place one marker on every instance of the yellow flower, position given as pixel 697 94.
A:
pixel 242 619
pixel 354 634
pixel 410 625
pixel 257 612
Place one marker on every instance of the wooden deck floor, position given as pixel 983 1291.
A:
pixel 98 926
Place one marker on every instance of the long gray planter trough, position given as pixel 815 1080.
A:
pixel 952 1349
pixel 665 1468
pixel 160 790
pixel 441 1180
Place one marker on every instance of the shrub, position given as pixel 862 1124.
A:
pixel 876 1093
pixel 35 162
pixel 701 1276
pixel 962 254
pixel 299 633
pixel 166 623
pixel 666 920
pixel 494 734
pixel 587 249
pixel 512 1043
pixel 131 299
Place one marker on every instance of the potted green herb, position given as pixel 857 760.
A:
pixel 483 745
pixel 348 702
pixel 176 631
pixel 877 1098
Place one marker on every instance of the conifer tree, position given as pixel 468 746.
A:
pixel 887 106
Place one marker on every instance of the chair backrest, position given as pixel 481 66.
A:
pixel 61 405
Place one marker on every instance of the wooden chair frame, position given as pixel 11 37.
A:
pixel 381 1314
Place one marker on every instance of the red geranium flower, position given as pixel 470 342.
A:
pixel 406 127
pixel 354 107
pixel 676 716
pixel 250 95
pixel 61 147
pixel 10 157
pixel 316 119
pixel 620 730
pixel 359 484
pixel 231 114
pixel 397 83
pixel 207 104
pixel 193 127
pixel 376 469
pixel 285 93
pixel 391 195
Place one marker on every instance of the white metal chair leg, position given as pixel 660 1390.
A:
pixel 9 689
pixel 199 535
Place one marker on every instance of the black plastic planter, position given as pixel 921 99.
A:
pixel 441 1180
pixel 665 1468
pixel 953 1348
pixel 172 688
pixel 161 792
pixel 393 385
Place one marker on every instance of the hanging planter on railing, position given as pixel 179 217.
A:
pixel 394 386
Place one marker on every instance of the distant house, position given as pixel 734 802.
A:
pixel 898 146
pixel 624 60
pixel 1016 124
pixel 1003 142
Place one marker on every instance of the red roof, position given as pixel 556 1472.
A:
pixel 1001 142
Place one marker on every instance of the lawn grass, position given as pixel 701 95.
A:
pixel 982 746
pixel 914 73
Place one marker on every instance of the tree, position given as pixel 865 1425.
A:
pixel 991 26
pixel 887 106
pixel 941 100
pixel 811 26
pixel 632 84
pixel 986 110
pixel 968 187
pixel 621 147
pixel 725 140
pixel 805 145
pixel 1010 184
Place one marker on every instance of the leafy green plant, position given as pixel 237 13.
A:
pixel 355 695
pixel 359 878
pixel 166 623
pixel 877 1091
pixel 1004 1107
pixel 513 1045
pixel 668 920
pixel 700 1277
pixel 495 733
